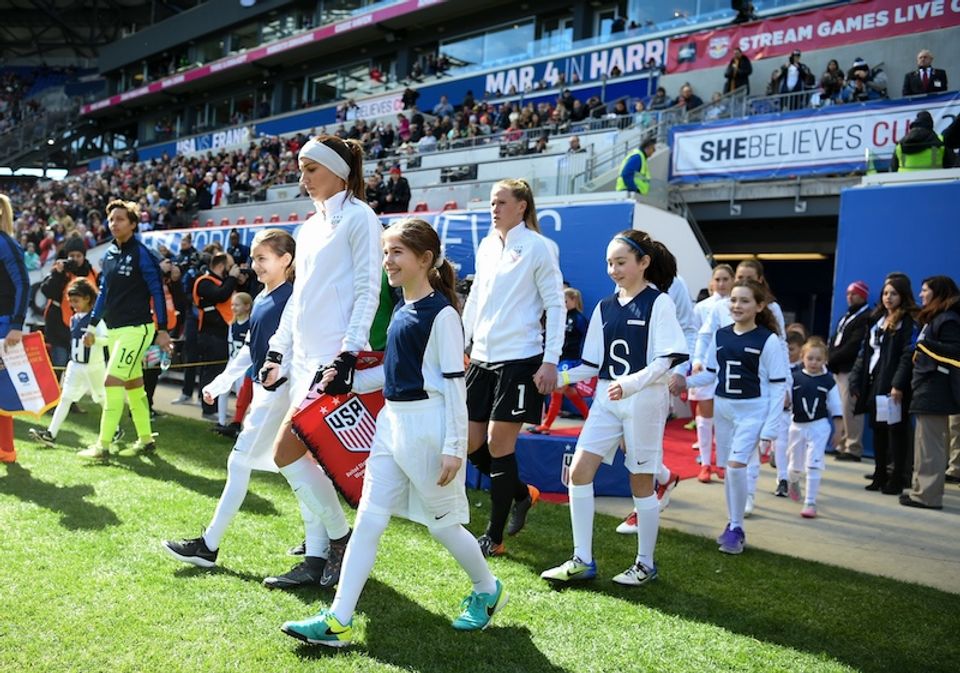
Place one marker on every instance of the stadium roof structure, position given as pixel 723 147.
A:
pixel 64 31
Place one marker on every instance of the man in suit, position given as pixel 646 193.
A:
pixel 926 78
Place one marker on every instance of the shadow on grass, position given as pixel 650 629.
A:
pixel 154 466
pixel 310 596
pixel 67 501
pixel 402 633
pixel 803 605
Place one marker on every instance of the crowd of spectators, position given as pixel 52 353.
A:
pixel 13 107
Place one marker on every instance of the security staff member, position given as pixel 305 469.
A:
pixel 635 169
pixel 922 149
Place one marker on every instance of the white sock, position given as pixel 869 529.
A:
pixel 59 416
pixel 705 439
pixel 358 562
pixel 780 453
pixel 795 475
pixel 736 482
pixel 315 533
pixel 753 472
pixel 222 402
pixel 315 490
pixel 663 476
pixel 464 548
pixel 234 491
pixel 648 525
pixel 813 485
pixel 581 520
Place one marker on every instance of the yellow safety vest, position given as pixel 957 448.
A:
pixel 641 179
pixel 921 161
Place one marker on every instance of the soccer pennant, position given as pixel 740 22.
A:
pixel 338 430
pixel 27 382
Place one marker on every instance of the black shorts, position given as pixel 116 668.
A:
pixel 504 391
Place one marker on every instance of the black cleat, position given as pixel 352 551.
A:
pixel 782 489
pixel 331 572
pixel 42 436
pixel 193 551
pixel 308 571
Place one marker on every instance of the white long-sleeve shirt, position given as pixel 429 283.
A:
pixel 337 288
pixel 516 281
pixel 680 294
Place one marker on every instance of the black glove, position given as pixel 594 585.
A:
pixel 342 383
pixel 275 358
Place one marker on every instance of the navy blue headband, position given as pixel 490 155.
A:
pixel 633 244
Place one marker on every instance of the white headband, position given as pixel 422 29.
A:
pixel 325 156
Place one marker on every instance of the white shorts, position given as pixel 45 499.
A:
pixel 637 422
pixel 404 465
pixel 807 444
pixel 737 425
pixel 702 393
pixel 254 445
pixel 81 379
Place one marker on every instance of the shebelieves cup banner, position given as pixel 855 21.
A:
pixel 338 430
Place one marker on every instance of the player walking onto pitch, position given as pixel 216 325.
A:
pixel 130 278
pixel 272 253
pixel 633 341
pixel 86 368
pixel 746 361
pixel 416 467
pixel 327 320
pixel 511 366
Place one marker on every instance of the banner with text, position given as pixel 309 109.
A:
pixel 856 22
pixel 829 140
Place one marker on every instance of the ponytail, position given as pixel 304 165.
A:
pixel 355 185
pixel 443 279
pixel 663 265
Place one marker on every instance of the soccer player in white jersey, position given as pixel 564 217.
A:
pixel 512 366
pixel 416 467
pixel 746 361
pixel 327 320
pixel 633 341
pixel 87 366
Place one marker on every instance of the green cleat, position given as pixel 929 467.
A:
pixel 322 629
pixel 479 609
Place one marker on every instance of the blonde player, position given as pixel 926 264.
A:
pixel 816 402
pixel 633 341
pixel 87 365
pixel 272 253
pixel 416 467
